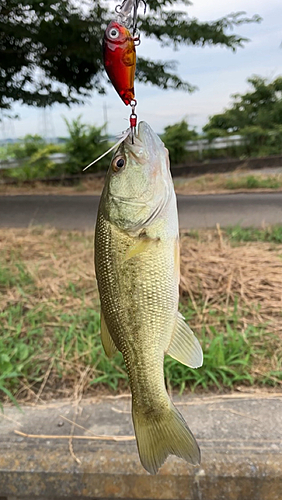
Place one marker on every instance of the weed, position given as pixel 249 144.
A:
pixel 240 234
pixel 229 357
pixel 253 182
pixel 31 342
pixel 14 275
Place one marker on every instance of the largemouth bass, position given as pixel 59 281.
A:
pixel 137 269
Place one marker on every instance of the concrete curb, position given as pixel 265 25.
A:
pixel 240 436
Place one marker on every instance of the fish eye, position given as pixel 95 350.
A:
pixel 117 163
pixel 114 33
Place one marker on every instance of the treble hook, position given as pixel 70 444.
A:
pixel 124 11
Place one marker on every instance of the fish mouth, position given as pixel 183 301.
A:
pixel 143 128
pixel 145 137
pixel 145 134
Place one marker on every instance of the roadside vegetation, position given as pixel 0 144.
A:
pixel 253 182
pixel 271 234
pixel 33 156
pixel 209 183
pixel 237 181
pixel 49 313
pixel 254 116
pixel 83 144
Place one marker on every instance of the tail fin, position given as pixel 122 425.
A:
pixel 163 434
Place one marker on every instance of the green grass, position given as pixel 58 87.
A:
pixel 253 182
pixel 33 339
pixel 271 234
pixel 49 341
pixel 229 359
pixel 14 276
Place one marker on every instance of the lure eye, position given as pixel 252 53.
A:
pixel 117 163
pixel 114 33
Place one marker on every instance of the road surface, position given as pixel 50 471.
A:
pixel 201 211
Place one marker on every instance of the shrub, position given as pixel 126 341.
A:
pixel 85 144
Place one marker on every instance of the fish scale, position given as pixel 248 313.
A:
pixel 140 323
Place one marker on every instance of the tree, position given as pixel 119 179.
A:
pixel 257 115
pixel 50 51
pixel 175 138
pixel 261 106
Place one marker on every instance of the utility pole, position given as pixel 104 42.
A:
pixel 46 126
pixel 105 114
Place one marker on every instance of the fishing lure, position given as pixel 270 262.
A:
pixel 120 60
pixel 119 53
pixel 120 39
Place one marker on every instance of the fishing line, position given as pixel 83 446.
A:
pixel 122 138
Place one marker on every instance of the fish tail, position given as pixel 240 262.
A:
pixel 164 433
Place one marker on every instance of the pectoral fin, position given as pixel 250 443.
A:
pixel 142 244
pixel 184 346
pixel 107 341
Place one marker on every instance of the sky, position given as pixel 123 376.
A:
pixel 216 71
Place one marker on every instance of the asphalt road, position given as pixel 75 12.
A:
pixel 201 211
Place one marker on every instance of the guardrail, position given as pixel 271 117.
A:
pixel 218 143
pixel 11 163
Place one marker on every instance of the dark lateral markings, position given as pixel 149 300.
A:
pixel 199 211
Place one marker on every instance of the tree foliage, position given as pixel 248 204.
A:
pixel 50 51
pixel 175 138
pixel 256 115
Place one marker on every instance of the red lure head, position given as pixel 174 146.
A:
pixel 120 60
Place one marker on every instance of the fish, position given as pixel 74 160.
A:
pixel 137 267
pixel 120 60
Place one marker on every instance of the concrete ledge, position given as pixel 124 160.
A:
pixel 240 436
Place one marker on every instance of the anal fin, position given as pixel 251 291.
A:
pixel 107 341
pixel 184 346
